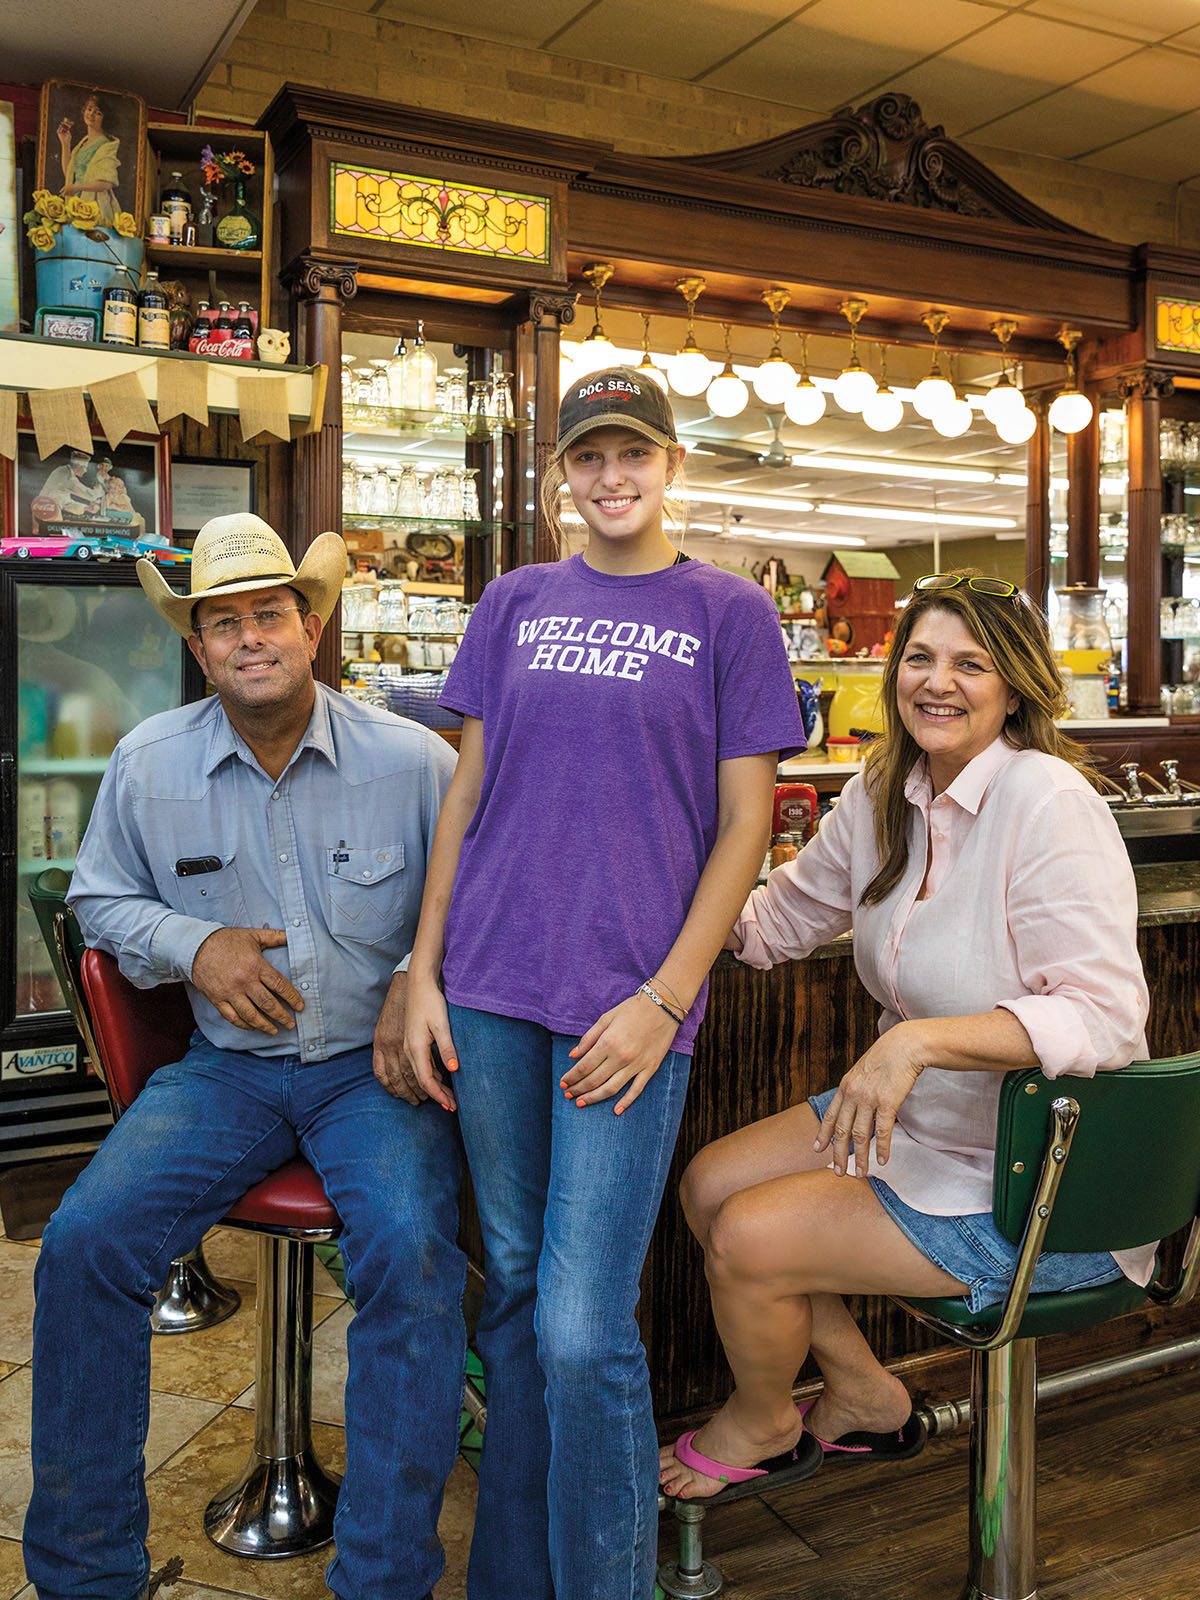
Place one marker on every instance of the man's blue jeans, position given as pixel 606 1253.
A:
pixel 197 1137
pixel 568 1483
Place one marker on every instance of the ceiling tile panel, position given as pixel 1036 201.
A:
pixel 838 49
pixel 522 22
pixel 687 38
pixel 1133 18
pixel 1072 121
pixel 1167 155
pixel 1156 78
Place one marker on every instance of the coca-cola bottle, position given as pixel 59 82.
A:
pixel 243 325
pixel 222 328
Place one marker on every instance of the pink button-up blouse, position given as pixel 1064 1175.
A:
pixel 1030 904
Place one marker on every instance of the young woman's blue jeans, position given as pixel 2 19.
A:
pixel 568 1484
pixel 197 1137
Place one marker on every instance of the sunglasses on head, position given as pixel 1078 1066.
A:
pixel 951 580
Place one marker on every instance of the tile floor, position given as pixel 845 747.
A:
pixel 201 1427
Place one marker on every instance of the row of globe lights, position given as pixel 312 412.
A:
pixel 776 382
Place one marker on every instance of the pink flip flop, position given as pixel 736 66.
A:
pixel 901 1444
pixel 791 1466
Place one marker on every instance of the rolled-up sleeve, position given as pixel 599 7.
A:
pixel 1072 917
pixel 116 900
pixel 806 901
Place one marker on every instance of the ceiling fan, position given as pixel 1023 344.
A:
pixel 776 455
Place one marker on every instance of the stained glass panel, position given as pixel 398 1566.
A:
pixel 367 203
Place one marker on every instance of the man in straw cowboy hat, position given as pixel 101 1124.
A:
pixel 267 846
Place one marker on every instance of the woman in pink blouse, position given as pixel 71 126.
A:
pixel 995 917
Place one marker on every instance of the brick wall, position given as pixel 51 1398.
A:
pixel 361 47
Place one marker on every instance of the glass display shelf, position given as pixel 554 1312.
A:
pixel 366 520
pixel 64 766
pixel 30 868
pixel 445 424
pixel 409 633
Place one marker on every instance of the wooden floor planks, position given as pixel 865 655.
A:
pixel 1118 1508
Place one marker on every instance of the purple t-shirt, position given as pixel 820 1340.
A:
pixel 606 704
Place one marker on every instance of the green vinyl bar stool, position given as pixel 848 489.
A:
pixel 1081 1164
pixel 191 1298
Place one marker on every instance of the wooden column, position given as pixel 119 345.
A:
pixel 320 290
pixel 548 314
pixel 1144 391
pixel 1037 503
pixel 1083 503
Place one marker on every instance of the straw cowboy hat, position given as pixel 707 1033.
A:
pixel 240 552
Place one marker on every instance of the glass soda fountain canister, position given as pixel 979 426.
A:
pixel 1080 635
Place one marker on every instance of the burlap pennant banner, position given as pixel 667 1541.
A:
pixel 8 423
pixel 122 407
pixel 183 391
pixel 263 407
pixel 60 418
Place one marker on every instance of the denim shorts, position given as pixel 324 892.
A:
pixel 972 1249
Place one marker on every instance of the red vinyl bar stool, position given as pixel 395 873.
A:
pixel 282 1504
pixel 192 1297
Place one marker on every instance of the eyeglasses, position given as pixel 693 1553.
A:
pixel 951 580
pixel 269 620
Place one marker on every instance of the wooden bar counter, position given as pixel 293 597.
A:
pixel 769 1040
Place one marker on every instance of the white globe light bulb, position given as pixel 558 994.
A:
pixel 690 371
pixel 1017 427
pixel 593 355
pixel 727 394
pixel 646 369
pixel 1001 399
pixel 883 411
pixel 931 395
pixel 1071 411
pixel 774 380
pixel 806 403
pixel 953 420
pixel 853 387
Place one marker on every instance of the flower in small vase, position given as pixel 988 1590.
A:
pixel 83 213
pixel 51 206
pixel 228 164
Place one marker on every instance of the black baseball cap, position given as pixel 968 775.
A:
pixel 617 397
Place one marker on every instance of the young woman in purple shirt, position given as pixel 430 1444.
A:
pixel 624 710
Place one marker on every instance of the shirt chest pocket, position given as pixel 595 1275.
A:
pixel 367 891
pixel 214 896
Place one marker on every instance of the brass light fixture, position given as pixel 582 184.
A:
pixel 775 378
pixel 854 385
pixel 645 367
pixel 690 370
pixel 727 394
pixel 806 403
pixel 934 390
pixel 884 409
pixel 1003 398
pixel 1072 410
pixel 596 351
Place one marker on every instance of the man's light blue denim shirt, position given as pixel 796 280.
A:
pixel 333 853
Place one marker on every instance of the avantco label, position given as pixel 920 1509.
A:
pixel 51 1061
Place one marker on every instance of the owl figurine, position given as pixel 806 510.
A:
pixel 274 346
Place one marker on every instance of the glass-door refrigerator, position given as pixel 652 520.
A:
pixel 84 658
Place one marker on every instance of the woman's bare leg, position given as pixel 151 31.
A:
pixel 779 1253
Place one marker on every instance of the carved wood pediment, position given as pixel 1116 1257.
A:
pixel 885 151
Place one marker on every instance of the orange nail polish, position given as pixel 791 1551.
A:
pixel 452 1065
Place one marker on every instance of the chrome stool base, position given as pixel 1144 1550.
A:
pixel 690 1577
pixel 276 1509
pixel 192 1298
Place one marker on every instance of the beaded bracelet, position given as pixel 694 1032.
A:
pixel 653 994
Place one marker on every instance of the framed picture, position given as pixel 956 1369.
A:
pixel 106 502
pixel 68 322
pixel 91 143
pixel 11 232
pixel 202 488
